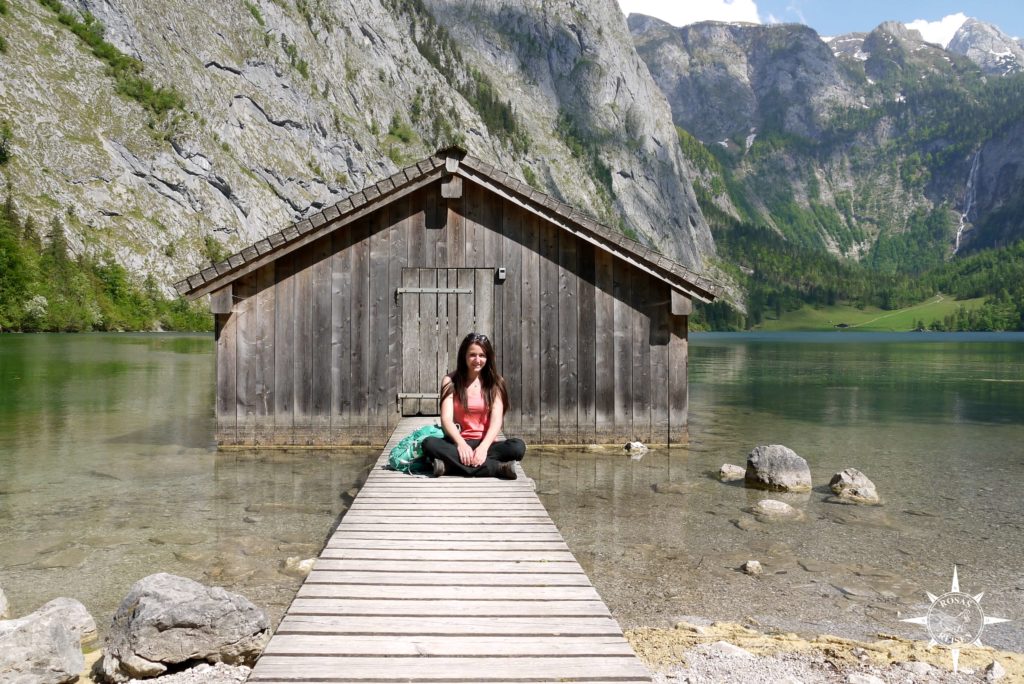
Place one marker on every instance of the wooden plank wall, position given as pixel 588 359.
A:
pixel 311 353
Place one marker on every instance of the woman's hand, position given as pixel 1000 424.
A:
pixel 479 455
pixel 466 455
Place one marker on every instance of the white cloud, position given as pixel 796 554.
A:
pixel 683 12
pixel 940 31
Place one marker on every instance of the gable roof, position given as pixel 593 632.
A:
pixel 446 162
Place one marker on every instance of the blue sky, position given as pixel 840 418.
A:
pixel 831 17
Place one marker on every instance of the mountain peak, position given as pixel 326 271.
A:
pixel 988 47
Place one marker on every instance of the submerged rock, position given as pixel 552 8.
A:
pixel 293 566
pixel 771 509
pixel 853 485
pixel 167 620
pixel 730 473
pixel 45 647
pixel 777 467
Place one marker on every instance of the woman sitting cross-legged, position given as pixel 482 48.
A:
pixel 473 405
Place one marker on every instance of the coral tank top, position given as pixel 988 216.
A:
pixel 473 418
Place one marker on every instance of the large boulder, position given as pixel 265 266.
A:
pixel 854 486
pixel 45 647
pixel 168 620
pixel 778 468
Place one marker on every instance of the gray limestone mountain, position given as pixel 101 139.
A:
pixel 845 144
pixel 991 49
pixel 288 107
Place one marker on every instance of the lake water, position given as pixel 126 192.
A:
pixel 108 473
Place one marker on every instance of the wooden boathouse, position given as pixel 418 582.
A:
pixel 331 330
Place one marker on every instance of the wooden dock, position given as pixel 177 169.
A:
pixel 447 580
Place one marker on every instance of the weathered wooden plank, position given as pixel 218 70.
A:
pixel 456 233
pixel 436 215
pixel 513 516
pixel 604 345
pixel 510 318
pixel 265 319
pixel 450 592
pixel 284 349
pixel 430 368
pixel 549 376
pixel 472 204
pixel 344 542
pixel 303 350
pixel 227 417
pixel 678 351
pixel 451 328
pixel 568 339
pixel 399 219
pixel 466 310
pixel 221 300
pixel 586 401
pixel 512 507
pixel 380 606
pixel 460 579
pixel 483 301
pixel 641 391
pixel 419 255
pixel 530 348
pixel 446 554
pixel 379 320
pixel 341 330
pixel 412 354
pixel 325 668
pixel 425 626
pixel 658 311
pixel 681 305
pixel 486 567
pixel 475 522
pixel 461 646
pixel 246 361
pixel 360 331
pixel 477 535
pixel 623 353
pixel 322 310
pixel 300 680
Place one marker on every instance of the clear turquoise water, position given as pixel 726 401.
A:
pixel 108 473
pixel 936 421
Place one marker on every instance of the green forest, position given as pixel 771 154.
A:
pixel 45 287
pixel 780 276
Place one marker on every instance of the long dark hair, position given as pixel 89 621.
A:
pixel 491 382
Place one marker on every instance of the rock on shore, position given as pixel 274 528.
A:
pixel 779 468
pixel 854 486
pixel 45 647
pixel 168 620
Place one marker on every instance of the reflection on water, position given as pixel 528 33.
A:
pixel 108 473
pixel 936 421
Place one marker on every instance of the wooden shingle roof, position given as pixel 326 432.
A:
pixel 456 161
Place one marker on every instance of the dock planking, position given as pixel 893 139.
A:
pixel 447 580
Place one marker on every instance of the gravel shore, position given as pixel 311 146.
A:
pixel 727 653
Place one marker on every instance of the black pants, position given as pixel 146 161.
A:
pixel 499 452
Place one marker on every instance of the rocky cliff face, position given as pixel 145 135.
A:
pixel 288 107
pixel 570 67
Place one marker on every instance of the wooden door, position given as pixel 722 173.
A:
pixel 439 307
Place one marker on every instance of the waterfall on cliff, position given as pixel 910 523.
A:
pixel 970 192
